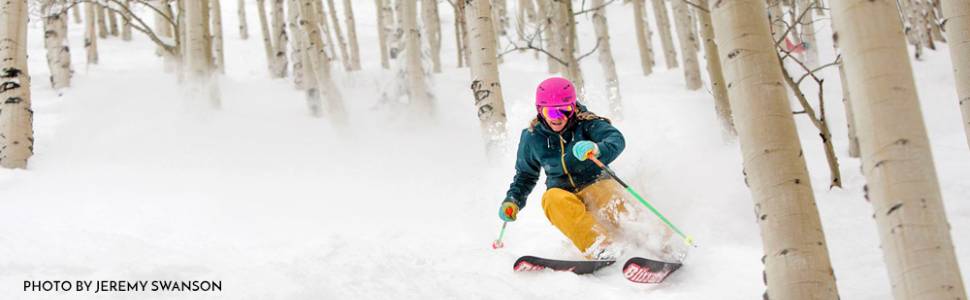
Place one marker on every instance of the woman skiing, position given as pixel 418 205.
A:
pixel 581 202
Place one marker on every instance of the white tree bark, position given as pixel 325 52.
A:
pixel 550 34
pixel 352 36
pixel 957 16
pixel 16 116
pixel 644 37
pixel 243 25
pixel 268 46
pixel 796 260
pixel 420 98
pixel 297 46
pixel 686 39
pixel 666 38
pixel 432 30
pixel 849 116
pixel 325 30
pixel 335 21
pixel 915 32
pixel 318 77
pixel 126 24
pixel 382 33
pixel 112 20
pixel 279 40
pixel 486 87
pixel 714 72
pixel 76 10
pixel 606 59
pixel 90 35
pixel 219 57
pixel 102 24
pixel 896 158
pixel 198 54
pixel 567 36
pixel 55 40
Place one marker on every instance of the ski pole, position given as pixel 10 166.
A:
pixel 687 239
pixel 498 243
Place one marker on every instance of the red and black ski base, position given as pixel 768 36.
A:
pixel 644 270
pixel 532 263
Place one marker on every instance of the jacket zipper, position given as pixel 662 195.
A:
pixel 562 150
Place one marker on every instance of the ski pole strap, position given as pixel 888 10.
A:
pixel 687 239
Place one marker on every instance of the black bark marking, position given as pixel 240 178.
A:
pixel 733 53
pixel 763 217
pixel 10 73
pixel 902 142
pixel 865 191
pixel 798 181
pixel 480 94
pixel 13 100
pixel 894 208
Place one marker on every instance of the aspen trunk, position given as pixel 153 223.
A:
pixel 297 46
pixel 267 37
pixel 243 25
pixel 112 21
pixel 500 8
pixel 932 20
pixel 76 11
pixel 606 59
pixel 352 36
pixel 217 45
pixel 102 24
pixel 279 40
pixel 55 40
pixel 393 20
pixel 550 33
pixel 808 33
pixel 335 21
pixel 417 88
pixel 849 116
pixel 644 37
pixel 666 39
pixel 126 24
pixel 16 116
pixel 328 44
pixel 714 72
pixel 432 29
pixel 957 16
pixel 319 67
pixel 915 34
pixel 896 158
pixel 796 260
pixel 461 34
pixel 90 35
pixel 777 19
pixel 567 36
pixel 198 49
pixel 382 34
pixel 686 39
pixel 486 87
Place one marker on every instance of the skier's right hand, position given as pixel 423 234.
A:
pixel 508 210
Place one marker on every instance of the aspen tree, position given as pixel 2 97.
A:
pixel 267 37
pixel 279 39
pixel 352 36
pixel 90 35
pixel 666 38
pixel 219 57
pixel 76 11
pixel 796 260
pixel 686 39
pixel 325 31
pixel 567 37
pixel 461 34
pixel 644 37
pixel 126 23
pixel 550 34
pixel 417 88
pixel 55 40
pixel 335 21
pixel 714 71
pixel 243 25
pixel 102 24
pixel 606 59
pixel 319 68
pixel 486 87
pixel 957 15
pixel 297 46
pixel 382 35
pixel 112 20
pixel 901 179
pixel 16 116
pixel 807 25
pixel 432 30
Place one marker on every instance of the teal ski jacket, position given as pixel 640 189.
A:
pixel 542 148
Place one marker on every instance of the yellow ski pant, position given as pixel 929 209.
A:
pixel 587 215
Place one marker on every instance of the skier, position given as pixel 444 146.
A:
pixel 580 201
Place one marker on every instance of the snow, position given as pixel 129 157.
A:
pixel 134 179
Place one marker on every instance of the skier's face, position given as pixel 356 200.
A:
pixel 557 124
pixel 557 117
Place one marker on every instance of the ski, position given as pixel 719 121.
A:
pixel 532 263
pixel 642 270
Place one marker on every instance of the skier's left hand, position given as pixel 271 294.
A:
pixel 508 211
pixel 583 149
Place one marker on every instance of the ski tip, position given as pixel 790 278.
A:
pixel 642 270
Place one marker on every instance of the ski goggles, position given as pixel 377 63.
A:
pixel 556 112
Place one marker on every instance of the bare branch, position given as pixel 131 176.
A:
pixel 591 9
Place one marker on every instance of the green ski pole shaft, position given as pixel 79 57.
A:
pixel 498 243
pixel 687 239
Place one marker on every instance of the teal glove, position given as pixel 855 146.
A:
pixel 508 210
pixel 582 150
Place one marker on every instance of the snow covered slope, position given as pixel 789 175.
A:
pixel 134 180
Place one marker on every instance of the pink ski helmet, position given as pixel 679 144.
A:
pixel 554 92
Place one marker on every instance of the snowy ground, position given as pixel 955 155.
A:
pixel 131 180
